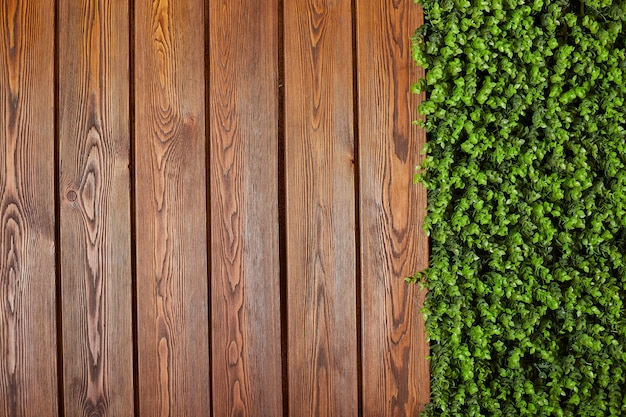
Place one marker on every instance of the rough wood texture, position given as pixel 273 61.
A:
pixel 393 244
pixel 244 208
pixel 264 356
pixel 319 158
pixel 28 370
pixel 95 207
pixel 172 297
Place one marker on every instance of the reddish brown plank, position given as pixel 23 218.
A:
pixel 95 207
pixel 393 243
pixel 244 208
pixel 28 370
pixel 320 209
pixel 172 299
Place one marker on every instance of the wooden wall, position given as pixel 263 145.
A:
pixel 207 209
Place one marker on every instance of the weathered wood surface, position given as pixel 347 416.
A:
pixel 94 135
pixel 28 366
pixel 171 218
pixel 320 209
pixel 234 211
pixel 393 244
pixel 246 344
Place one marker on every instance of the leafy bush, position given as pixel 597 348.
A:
pixel 526 177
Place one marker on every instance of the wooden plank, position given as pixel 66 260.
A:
pixel 28 369
pixel 94 132
pixel 320 209
pixel 172 299
pixel 393 243
pixel 244 209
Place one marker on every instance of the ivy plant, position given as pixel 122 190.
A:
pixel 525 170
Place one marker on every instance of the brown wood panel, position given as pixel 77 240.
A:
pixel 393 244
pixel 172 299
pixel 94 132
pixel 320 205
pixel 28 368
pixel 244 208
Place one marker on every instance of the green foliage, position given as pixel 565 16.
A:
pixel 526 176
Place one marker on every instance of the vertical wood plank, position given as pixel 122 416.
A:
pixel 320 209
pixel 28 370
pixel 172 299
pixel 244 208
pixel 393 244
pixel 94 131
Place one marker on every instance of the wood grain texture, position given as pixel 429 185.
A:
pixel 94 132
pixel 172 299
pixel 393 243
pixel 28 370
pixel 319 159
pixel 244 208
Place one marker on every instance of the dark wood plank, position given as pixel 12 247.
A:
pixel 28 370
pixel 393 244
pixel 320 205
pixel 244 208
pixel 94 132
pixel 172 299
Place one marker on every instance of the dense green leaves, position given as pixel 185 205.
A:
pixel 526 176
